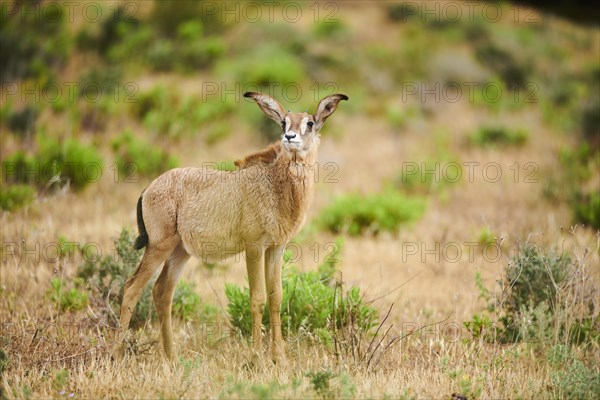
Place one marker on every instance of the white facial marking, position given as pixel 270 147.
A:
pixel 288 124
pixel 303 125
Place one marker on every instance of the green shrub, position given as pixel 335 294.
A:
pixel 218 132
pixel 115 28
pixel 356 214
pixel 329 29
pixel 265 65
pixel 32 46
pixel 61 379
pixel 541 301
pixel 188 306
pixel 496 135
pixel 310 304
pixel 55 164
pixel 106 277
pixel 184 55
pixel 479 326
pixel 586 209
pixel 135 156
pixel 72 299
pixel 486 237
pixel 135 42
pixel 403 12
pixel 13 197
pixel 4 362
pixel 501 61
pixel 167 113
pixel 74 162
pixel 21 122
pixel 532 281
pixel 101 83
pixel 576 183
pixel 570 377
pixel 161 55
pixel 169 17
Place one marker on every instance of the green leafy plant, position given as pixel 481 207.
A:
pixel 106 277
pixel 31 47
pixel 498 136
pixel 586 209
pixel 310 303
pixel 61 379
pixel 4 362
pixel 329 385
pixel 540 302
pixel 329 29
pixel 21 122
pixel 320 381
pixel 188 306
pixel 486 237
pixel 166 113
pixel 357 214
pixel 265 65
pixel 576 183
pixel 532 282
pixel 13 197
pixel 55 164
pixel 72 299
pixel 571 378
pixel 134 156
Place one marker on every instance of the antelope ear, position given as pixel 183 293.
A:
pixel 327 106
pixel 268 105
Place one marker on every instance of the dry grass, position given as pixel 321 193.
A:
pixel 40 342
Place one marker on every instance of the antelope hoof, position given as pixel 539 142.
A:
pixel 278 354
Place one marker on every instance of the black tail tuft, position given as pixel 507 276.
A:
pixel 142 239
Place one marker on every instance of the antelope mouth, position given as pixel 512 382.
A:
pixel 292 145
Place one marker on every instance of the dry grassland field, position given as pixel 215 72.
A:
pixel 451 250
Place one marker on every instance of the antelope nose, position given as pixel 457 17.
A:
pixel 290 136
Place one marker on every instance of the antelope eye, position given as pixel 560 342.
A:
pixel 310 124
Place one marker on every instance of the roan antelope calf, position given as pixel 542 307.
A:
pixel 257 209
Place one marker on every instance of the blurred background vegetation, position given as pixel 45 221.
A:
pixel 121 82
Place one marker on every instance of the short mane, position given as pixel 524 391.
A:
pixel 266 156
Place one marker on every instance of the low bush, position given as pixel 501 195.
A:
pixel 576 183
pixel 326 29
pixel 76 164
pixel 22 122
pixel 312 304
pixel 586 209
pixel 403 12
pixel 166 113
pixel 188 306
pixel 486 237
pixel 543 298
pixel 266 65
pixel 498 136
pixel 13 197
pixel 512 70
pixel 531 289
pixel 136 156
pixel 357 214
pixel 571 378
pixel 54 164
pixel 32 47
pixel 72 299
pixel 106 277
